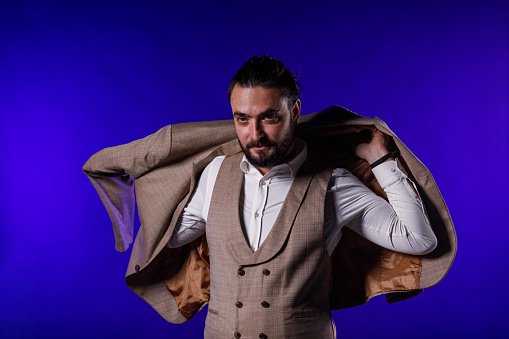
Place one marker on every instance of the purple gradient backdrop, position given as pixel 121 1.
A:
pixel 76 77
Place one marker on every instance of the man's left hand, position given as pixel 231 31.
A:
pixel 373 150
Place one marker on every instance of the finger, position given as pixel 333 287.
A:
pixel 364 128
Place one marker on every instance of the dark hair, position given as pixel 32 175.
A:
pixel 267 72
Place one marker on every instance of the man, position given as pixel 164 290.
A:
pixel 265 109
pixel 272 216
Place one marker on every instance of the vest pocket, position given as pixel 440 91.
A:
pixel 214 312
pixel 304 313
pixel 216 326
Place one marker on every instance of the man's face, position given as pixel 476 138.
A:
pixel 264 125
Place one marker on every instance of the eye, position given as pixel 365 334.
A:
pixel 241 120
pixel 272 117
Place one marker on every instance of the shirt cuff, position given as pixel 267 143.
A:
pixel 388 173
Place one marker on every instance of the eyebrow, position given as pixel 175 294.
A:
pixel 262 114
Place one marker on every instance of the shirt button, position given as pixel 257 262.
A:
pixel 239 304
pixel 262 182
pixel 393 170
pixel 265 304
pixel 236 335
pixel 241 272
pixel 266 272
pixel 256 215
pixel 262 336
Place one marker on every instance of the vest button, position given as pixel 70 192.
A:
pixel 262 336
pixel 265 304
pixel 241 272
pixel 266 272
pixel 236 335
pixel 137 268
pixel 239 304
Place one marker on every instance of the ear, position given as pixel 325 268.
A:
pixel 296 111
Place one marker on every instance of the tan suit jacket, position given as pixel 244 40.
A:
pixel 165 167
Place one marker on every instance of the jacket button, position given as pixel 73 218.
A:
pixel 137 268
pixel 262 336
pixel 239 304
pixel 265 304
pixel 241 272
pixel 266 272
pixel 237 335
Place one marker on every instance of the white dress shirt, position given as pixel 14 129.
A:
pixel 401 225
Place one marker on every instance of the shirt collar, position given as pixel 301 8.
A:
pixel 289 168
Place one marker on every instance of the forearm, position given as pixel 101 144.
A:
pixel 400 225
pixel 188 229
pixel 404 227
pixel 191 223
pixel 193 220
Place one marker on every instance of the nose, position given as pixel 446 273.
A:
pixel 256 131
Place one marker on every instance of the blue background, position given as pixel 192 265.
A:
pixel 76 77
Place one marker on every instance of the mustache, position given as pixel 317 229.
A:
pixel 260 143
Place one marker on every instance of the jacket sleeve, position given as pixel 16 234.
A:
pixel 113 170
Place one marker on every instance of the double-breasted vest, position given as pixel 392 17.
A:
pixel 282 289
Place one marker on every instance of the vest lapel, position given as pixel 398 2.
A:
pixel 276 239
pixel 234 178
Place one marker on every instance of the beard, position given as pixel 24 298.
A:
pixel 275 153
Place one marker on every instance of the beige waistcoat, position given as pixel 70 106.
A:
pixel 282 289
pixel 165 167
